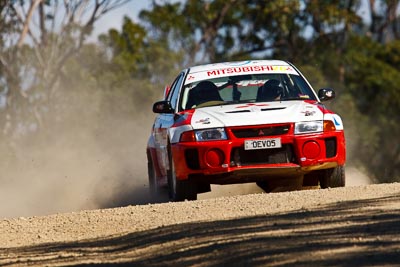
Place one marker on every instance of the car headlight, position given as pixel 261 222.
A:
pixel 308 127
pixel 210 134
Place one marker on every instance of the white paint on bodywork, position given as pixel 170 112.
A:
pixel 255 114
pixel 337 121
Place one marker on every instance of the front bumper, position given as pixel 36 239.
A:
pixel 226 161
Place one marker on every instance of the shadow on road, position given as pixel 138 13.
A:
pixel 353 233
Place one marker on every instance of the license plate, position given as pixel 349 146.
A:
pixel 262 143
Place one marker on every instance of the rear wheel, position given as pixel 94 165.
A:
pixel 153 189
pixel 334 177
pixel 179 190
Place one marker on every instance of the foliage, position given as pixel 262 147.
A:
pixel 373 79
pixel 38 38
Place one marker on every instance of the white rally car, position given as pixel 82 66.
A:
pixel 237 122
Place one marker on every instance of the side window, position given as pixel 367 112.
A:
pixel 174 93
pixel 168 97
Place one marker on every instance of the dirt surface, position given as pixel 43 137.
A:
pixel 352 226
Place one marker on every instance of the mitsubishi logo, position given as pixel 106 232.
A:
pixel 261 132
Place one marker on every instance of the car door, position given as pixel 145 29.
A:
pixel 163 122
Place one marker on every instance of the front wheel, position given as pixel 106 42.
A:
pixel 264 186
pixel 334 177
pixel 179 190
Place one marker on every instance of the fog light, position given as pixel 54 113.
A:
pixel 215 157
pixel 311 150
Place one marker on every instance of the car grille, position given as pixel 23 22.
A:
pixel 261 131
pixel 241 157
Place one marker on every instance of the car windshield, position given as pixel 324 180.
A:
pixel 245 89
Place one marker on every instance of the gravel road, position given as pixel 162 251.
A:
pixel 352 226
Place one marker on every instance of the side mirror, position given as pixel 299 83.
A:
pixel 163 107
pixel 325 94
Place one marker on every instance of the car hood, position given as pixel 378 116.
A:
pixel 256 114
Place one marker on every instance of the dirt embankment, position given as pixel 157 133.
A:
pixel 350 226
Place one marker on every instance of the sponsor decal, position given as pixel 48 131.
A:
pixel 304 96
pixel 329 93
pixel 204 121
pixel 249 69
pixel 238 68
pixel 336 122
pixel 309 111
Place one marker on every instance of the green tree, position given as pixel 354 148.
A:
pixel 139 64
pixel 373 80
pixel 33 55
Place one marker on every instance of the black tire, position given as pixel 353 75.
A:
pixel 334 177
pixel 179 190
pixel 311 179
pixel 264 186
pixel 153 188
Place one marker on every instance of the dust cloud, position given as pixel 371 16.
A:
pixel 356 173
pixel 89 158
pixel 355 177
